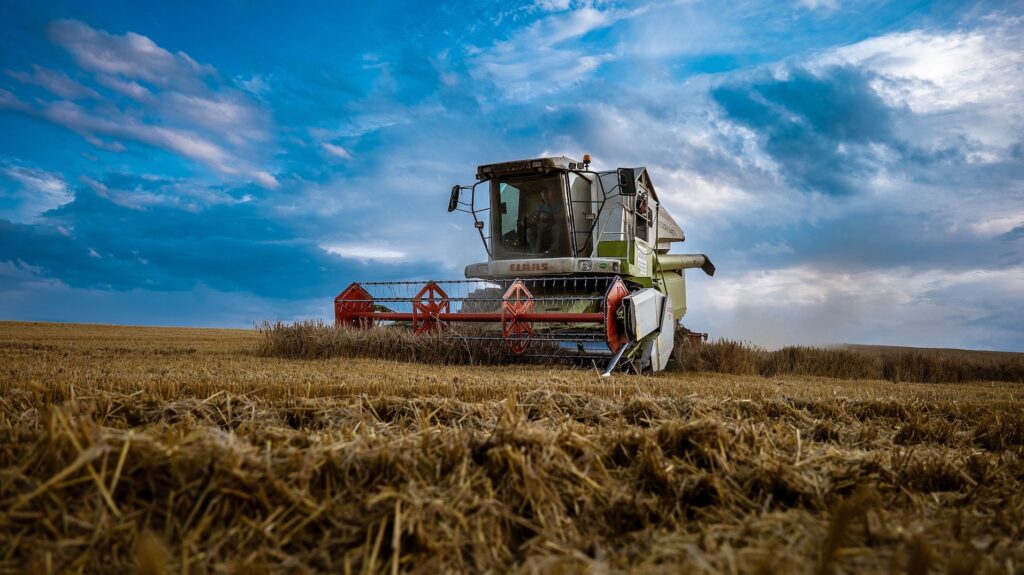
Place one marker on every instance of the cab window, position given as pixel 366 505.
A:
pixel 530 219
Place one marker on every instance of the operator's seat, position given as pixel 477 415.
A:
pixel 542 230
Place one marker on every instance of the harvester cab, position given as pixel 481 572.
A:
pixel 578 266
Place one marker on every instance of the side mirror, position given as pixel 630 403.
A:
pixel 627 181
pixel 453 201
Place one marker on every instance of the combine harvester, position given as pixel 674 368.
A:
pixel 578 266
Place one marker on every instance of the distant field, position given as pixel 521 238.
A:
pixel 974 355
pixel 153 449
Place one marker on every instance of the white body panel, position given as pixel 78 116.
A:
pixel 542 267
pixel 662 346
pixel 657 351
pixel 668 231
pixel 644 311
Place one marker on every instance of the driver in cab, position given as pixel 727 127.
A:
pixel 541 227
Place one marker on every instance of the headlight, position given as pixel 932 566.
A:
pixel 586 266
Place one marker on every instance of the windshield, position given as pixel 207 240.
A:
pixel 529 221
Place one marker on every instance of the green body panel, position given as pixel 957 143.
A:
pixel 613 249
pixel 674 284
pixel 627 253
pixel 669 282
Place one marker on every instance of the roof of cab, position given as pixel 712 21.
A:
pixel 524 166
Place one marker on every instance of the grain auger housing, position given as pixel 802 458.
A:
pixel 578 265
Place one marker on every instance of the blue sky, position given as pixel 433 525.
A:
pixel 854 168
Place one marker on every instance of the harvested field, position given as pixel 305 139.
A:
pixel 856 362
pixel 184 450
pixel 317 340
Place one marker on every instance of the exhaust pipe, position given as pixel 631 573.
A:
pixel 678 262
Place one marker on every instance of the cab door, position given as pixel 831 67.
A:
pixel 645 230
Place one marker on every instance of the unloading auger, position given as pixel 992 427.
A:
pixel 578 266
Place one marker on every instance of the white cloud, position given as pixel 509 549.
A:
pixel 700 195
pixel 962 82
pixel 182 106
pixel 256 84
pixel 772 248
pixel 98 187
pixel 19 270
pixel 998 224
pixel 237 121
pixel 130 55
pixel 956 170
pixel 133 90
pixel 901 306
pixel 552 5
pixel 153 191
pixel 720 184
pixel 819 4
pixel 363 251
pixel 964 91
pixel 190 143
pixel 117 147
pixel 336 151
pixel 939 71
pixel 10 101
pixel 49 184
pixel 537 60
pixel 362 125
pixel 39 192
pixel 806 285
pixel 55 82
pixel 265 179
pixel 684 28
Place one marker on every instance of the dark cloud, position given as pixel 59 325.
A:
pixel 817 127
pixel 1016 233
pixel 888 239
pixel 95 243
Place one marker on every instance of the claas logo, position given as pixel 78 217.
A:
pixel 528 267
